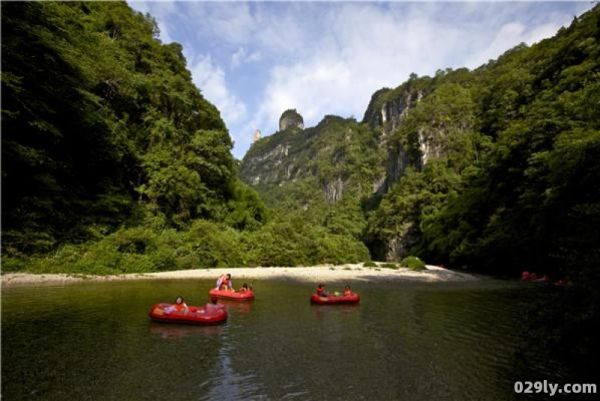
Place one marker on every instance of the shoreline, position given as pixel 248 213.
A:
pixel 326 273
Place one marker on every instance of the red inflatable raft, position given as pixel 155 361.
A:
pixel 333 299
pixel 194 315
pixel 233 295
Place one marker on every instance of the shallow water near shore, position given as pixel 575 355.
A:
pixel 405 341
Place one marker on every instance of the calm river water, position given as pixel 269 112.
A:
pixel 405 341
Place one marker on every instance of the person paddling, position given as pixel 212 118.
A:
pixel 224 282
pixel 321 290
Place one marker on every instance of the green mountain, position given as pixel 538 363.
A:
pixel 100 124
pixel 114 162
pixel 495 168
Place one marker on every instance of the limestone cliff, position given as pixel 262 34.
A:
pixel 385 112
pixel 337 154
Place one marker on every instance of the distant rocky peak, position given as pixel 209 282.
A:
pixel 290 118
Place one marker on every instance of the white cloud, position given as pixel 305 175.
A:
pixel 210 78
pixel 164 32
pixel 325 58
pixel 368 47
pixel 365 49
pixel 510 35
pixel 241 56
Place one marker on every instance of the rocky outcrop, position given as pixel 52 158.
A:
pixel 334 190
pixel 270 167
pixel 397 162
pixel 290 119
pixel 373 113
pixel 336 158
pixel 393 111
pixel 388 107
pixel 385 112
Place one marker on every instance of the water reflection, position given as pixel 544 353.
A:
pixel 228 384
pixel 178 331
pixel 323 311
pixel 239 308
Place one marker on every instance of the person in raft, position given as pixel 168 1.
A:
pixel 245 288
pixel 212 305
pixel 224 282
pixel 321 290
pixel 178 306
pixel 347 291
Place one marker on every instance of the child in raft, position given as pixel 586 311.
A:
pixel 224 282
pixel 245 288
pixel 178 306
pixel 347 291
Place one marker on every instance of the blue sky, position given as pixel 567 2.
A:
pixel 253 60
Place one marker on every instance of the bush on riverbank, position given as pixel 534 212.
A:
pixel 413 263
pixel 205 244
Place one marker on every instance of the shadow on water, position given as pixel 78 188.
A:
pixel 560 329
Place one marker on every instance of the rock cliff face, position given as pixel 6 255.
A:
pixel 385 113
pixel 336 155
pixel 341 159
pixel 420 121
pixel 388 107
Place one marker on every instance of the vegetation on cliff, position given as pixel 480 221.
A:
pixel 323 175
pixel 114 161
pixel 511 180
pixel 495 169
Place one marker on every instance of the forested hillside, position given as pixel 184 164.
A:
pixel 323 174
pixel 112 160
pixel 495 169
pixel 504 161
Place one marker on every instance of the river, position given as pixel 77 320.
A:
pixel 405 341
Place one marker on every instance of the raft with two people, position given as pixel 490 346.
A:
pixel 322 297
pixel 224 290
pixel 179 312
pixel 535 278
pixel 232 295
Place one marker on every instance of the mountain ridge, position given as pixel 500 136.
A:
pixel 437 136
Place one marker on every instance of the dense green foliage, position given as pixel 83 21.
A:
pixel 204 244
pixel 99 117
pixel 322 175
pixel 114 162
pixel 513 180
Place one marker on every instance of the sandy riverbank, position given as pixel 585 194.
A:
pixel 325 273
